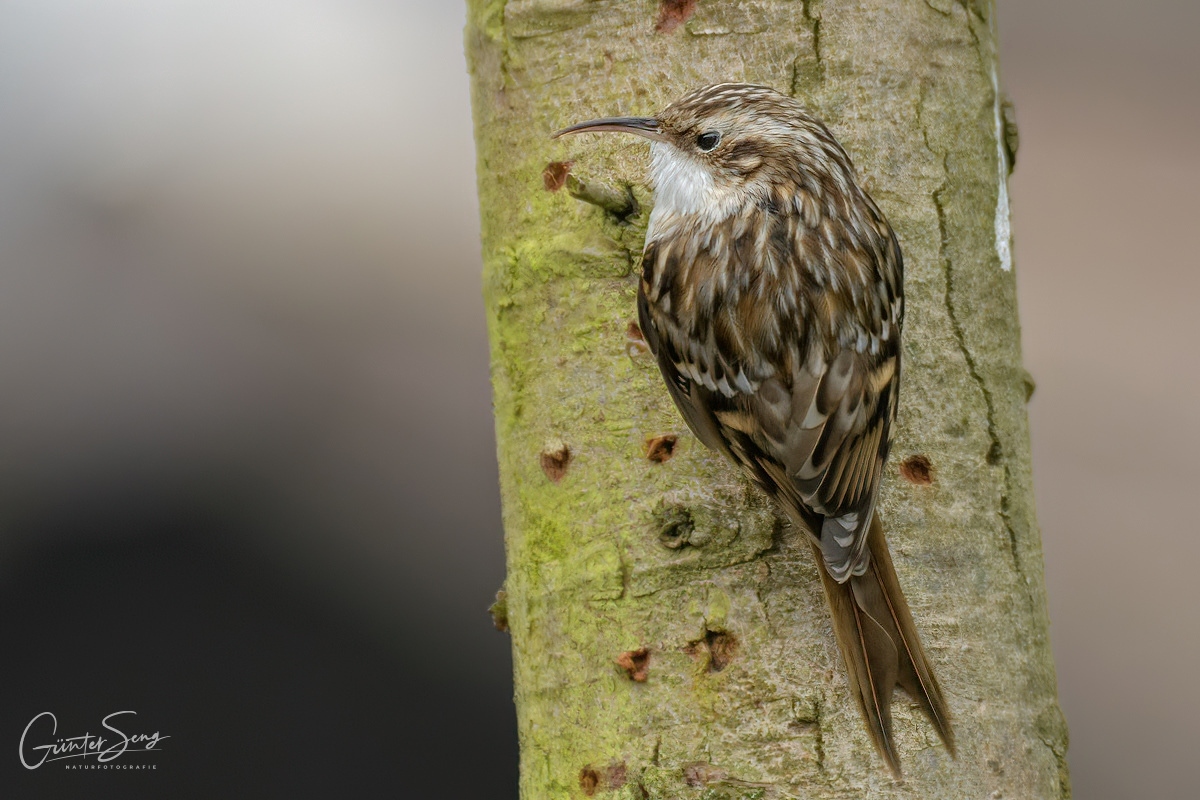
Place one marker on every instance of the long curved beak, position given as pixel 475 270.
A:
pixel 639 126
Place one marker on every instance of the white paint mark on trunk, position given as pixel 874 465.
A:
pixel 1003 213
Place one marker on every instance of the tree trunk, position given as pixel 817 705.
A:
pixel 670 635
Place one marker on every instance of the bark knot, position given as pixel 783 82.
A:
pixel 554 176
pixel 660 448
pixel 673 13
pixel 554 458
pixel 636 664
pixel 917 469
pixel 499 611
pixel 720 647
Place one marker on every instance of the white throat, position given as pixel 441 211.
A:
pixel 683 188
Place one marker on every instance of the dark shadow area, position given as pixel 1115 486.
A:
pixel 139 601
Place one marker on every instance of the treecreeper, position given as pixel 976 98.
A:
pixel 772 298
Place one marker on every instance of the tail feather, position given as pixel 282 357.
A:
pixel 879 643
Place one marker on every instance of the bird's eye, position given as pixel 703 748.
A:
pixel 708 140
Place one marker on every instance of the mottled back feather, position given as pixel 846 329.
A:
pixel 776 360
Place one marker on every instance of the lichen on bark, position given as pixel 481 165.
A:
pixel 669 631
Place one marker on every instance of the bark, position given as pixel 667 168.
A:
pixel 670 637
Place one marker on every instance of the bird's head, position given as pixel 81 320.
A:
pixel 722 146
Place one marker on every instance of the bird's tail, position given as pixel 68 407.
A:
pixel 879 643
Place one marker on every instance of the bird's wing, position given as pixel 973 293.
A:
pixel 823 440
pixel 688 395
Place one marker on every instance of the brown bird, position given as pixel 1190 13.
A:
pixel 772 297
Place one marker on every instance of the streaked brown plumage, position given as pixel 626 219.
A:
pixel 772 297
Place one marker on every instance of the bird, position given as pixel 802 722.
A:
pixel 771 295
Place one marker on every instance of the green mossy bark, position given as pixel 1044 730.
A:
pixel 745 695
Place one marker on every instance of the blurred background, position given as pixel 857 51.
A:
pixel 247 479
